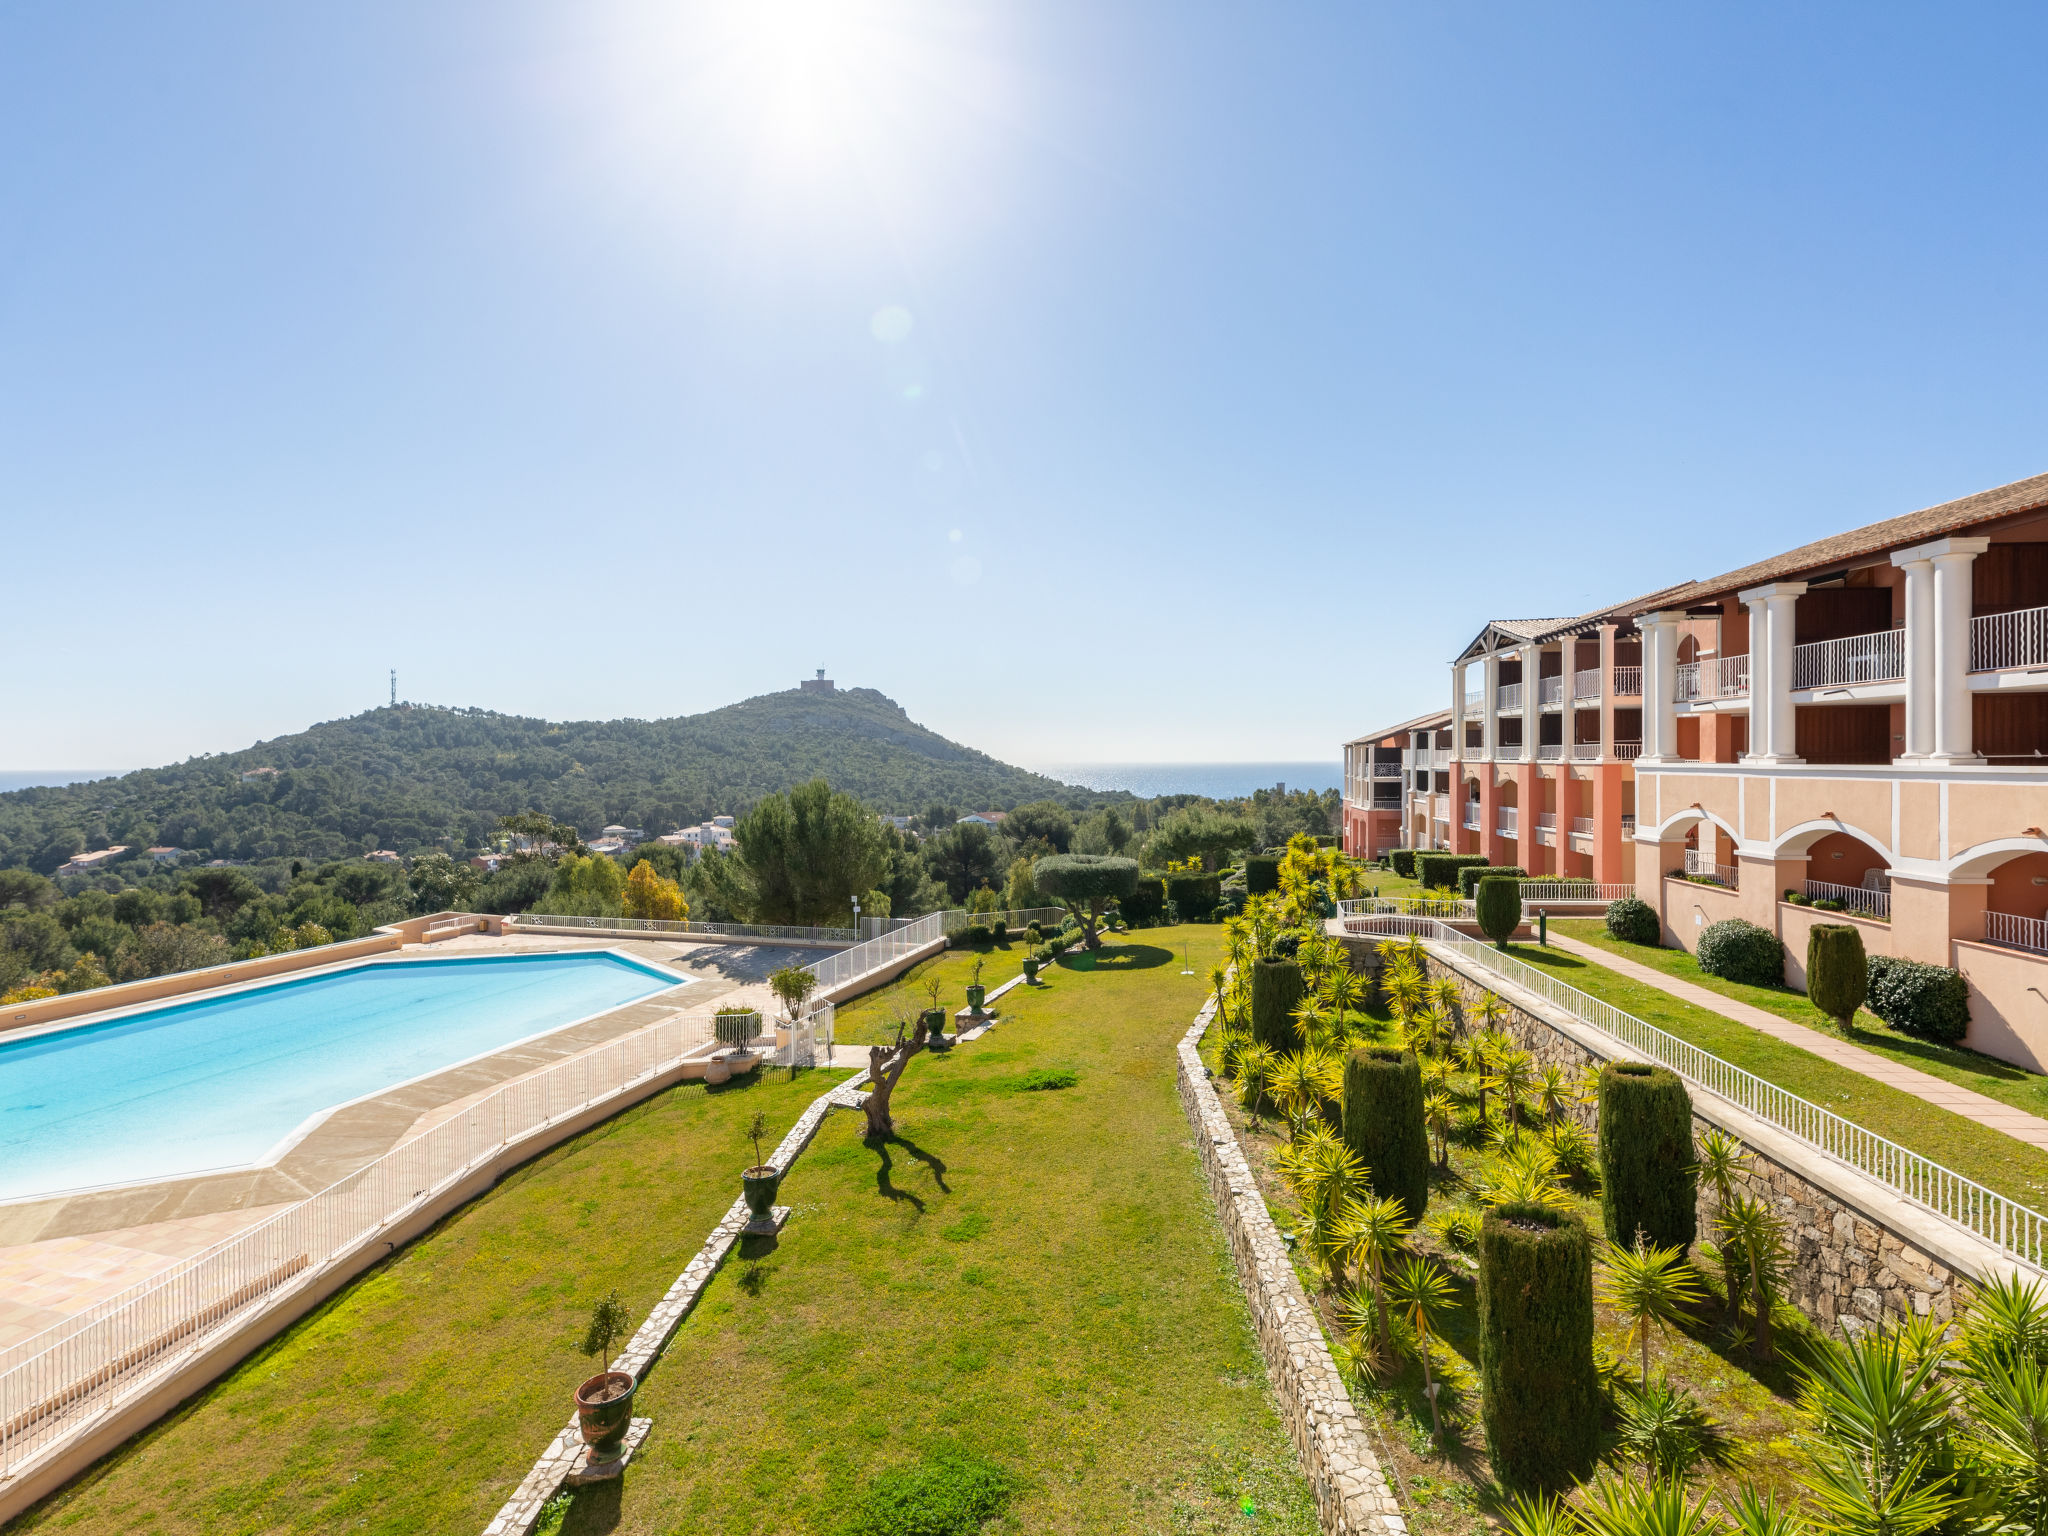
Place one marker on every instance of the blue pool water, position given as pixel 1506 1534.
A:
pixel 220 1081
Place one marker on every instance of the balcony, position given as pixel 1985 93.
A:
pixel 1703 866
pixel 1873 658
pixel 1508 699
pixel 1725 678
pixel 2029 933
pixel 1586 685
pixel 1471 816
pixel 1509 821
pixel 1441 812
pixel 1732 677
pixel 1582 826
pixel 1686 687
pixel 1628 826
pixel 1475 703
pixel 1508 752
pixel 1628 751
pixel 1855 898
pixel 1585 751
pixel 1550 693
pixel 1546 827
pixel 2002 640
pixel 1386 770
pixel 1628 682
pixel 1549 752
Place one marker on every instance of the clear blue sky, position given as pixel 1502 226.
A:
pixel 1099 381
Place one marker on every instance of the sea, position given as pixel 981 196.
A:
pixel 35 778
pixel 1219 781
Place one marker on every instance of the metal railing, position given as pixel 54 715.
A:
pixel 1475 703
pixel 2016 639
pixel 1586 684
pixel 2014 1229
pixel 1573 890
pixel 1471 822
pixel 1508 752
pixel 1699 863
pixel 1508 696
pixel 1865 903
pixel 1021 917
pixel 1628 682
pixel 1448 907
pixel 1872 658
pixel 2030 933
pixel 1550 692
pixel 1549 752
pixel 1686 685
pixel 1507 820
pixel 685 928
pixel 1628 826
pixel 1731 677
pixel 1585 751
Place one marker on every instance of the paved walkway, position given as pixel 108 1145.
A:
pixel 1940 1092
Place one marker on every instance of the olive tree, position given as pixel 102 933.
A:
pixel 1086 880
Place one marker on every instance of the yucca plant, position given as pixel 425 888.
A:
pixel 1448 996
pixel 1514 1074
pixel 1455 1226
pixel 1439 1115
pixel 1752 1249
pixel 1256 1065
pixel 2007 1323
pixel 1883 1463
pixel 2007 1438
pixel 1650 1287
pixel 1306 1080
pixel 1421 1294
pixel 1527 1176
pixel 1760 1514
pixel 1577 1154
pixel 1617 1506
pixel 1664 1429
pixel 1552 1092
pixel 1368 1232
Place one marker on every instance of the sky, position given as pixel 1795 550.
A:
pixel 1132 382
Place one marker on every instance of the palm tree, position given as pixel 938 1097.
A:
pixel 1450 997
pixel 1368 1233
pixel 1345 993
pixel 1440 1114
pixel 1256 1065
pixel 1750 1236
pixel 1649 1286
pixel 1422 1294
pixel 1514 1073
pixel 1553 1093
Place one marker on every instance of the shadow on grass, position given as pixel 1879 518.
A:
pixel 885 1165
pixel 597 1507
pixel 1118 957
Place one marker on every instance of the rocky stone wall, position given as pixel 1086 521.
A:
pixel 1351 1491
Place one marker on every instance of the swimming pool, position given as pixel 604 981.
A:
pixel 218 1082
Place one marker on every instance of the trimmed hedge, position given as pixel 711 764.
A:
pixel 1195 895
pixel 1403 861
pixel 1383 1124
pixel 1276 993
pixel 1146 900
pixel 1441 869
pixel 1470 876
pixel 1498 906
pixel 1539 1389
pixel 1735 950
pixel 1837 971
pixel 1646 1155
pixel 1931 1001
pixel 1261 872
pixel 1633 921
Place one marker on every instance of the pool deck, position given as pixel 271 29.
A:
pixel 61 1255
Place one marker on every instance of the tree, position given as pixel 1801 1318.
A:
pixel 608 1323
pixel 542 836
pixel 439 884
pixel 965 857
pixel 1194 831
pixel 1651 1287
pixel 793 986
pixel 25 888
pixel 804 856
pixel 1041 821
pixel 592 886
pixel 1421 1294
pixel 1837 974
pixel 885 1068
pixel 221 892
pixel 1086 879
pixel 650 895
pixel 1497 903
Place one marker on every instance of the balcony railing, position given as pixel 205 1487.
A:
pixel 1550 692
pixel 1508 823
pixel 1549 752
pixel 1582 826
pixel 1585 751
pixel 1386 770
pixel 1731 677
pixel 1628 826
pixel 1441 812
pixel 1628 682
pixel 1508 697
pixel 1873 658
pixel 1508 752
pixel 1475 703
pixel 1627 750
pixel 1471 816
pixel 1702 864
pixel 2029 933
pixel 2001 640
pixel 1546 827
pixel 1856 898
pixel 1724 678
pixel 1686 688
pixel 1586 685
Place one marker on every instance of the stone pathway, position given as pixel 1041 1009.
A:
pixel 1943 1094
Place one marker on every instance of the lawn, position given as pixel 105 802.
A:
pixel 1034 1279
pixel 1991 1157
pixel 1987 1075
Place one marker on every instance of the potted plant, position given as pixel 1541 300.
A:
pixel 760 1182
pixel 735 1026
pixel 934 1017
pixel 604 1403
pixel 1031 970
pixel 976 992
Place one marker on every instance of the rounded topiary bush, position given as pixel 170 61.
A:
pixel 1646 1155
pixel 1633 920
pixel 1403 862
pixel 1498 906
pixel 1837 974
pixel 1540 1393
pixel 1738 951
pixel 1383 1124
pixel 1261 872
pixel 1931 1001
pixel 1276 993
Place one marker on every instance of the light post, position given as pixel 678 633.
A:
pixel 856 919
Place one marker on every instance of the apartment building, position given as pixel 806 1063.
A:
pixel 1397 787
pixel 1863 719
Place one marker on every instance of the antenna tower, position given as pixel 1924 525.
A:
pixel 394 687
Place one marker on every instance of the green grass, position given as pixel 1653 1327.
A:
pixel 1031 1280
pixel 1968 1069
pixel 1991 1157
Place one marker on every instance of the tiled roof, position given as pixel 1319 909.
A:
pixel 1435 720
pixel 1913 528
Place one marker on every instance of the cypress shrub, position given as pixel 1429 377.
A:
pixel 1261 872
pixel 1403 860
pixel 1540 1394
pixel 1837 974
pixel 1195 895
pixel 1470 876
pixel 1441 869
pixel 1738 951
pixel 1145 902
pixel 1276 992
pixel 1633 921
pixel 1931 1001
pixel 1646 1155
pixel 1498 906
pixel 1383 1123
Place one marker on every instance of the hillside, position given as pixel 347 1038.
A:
pixel 409 776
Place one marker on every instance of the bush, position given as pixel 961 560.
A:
pixel 1470 876
pixel 972 936
pixel 1633 921
pixel 1403 861
pixel 1931 1001
pixel 953 1493
pixel 1261 872
pixel 1540 1391
pixel 1738 951
pixel 1441 869
pixel 1383 1123
pixel 1048 1079
pixel 1797 898
pixel 1498 907
pixel 1646 1155
pixel 1092 880
pixel 1143 905
pixel 1276 993
pixel 1002 931
pixel 1034 935
pixel 1837 974
pixel 1195 895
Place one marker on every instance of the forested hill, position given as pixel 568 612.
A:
pixel 408 777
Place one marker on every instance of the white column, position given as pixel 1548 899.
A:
pixel 1532 713
pixel 1457 709
pixel 1489 704
pixel 1771 716
pixel 1919 654
pixel 1660 686
pixel 1951 559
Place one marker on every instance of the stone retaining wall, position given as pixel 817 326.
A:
pixel 1351 1491
pixel 1858 1252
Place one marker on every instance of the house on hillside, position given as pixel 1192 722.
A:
pixel 257 775
pixel 715 833
pixel 164 855
pixel 384 856
pixel 983 818
pixel 87 863
pixel 625 835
